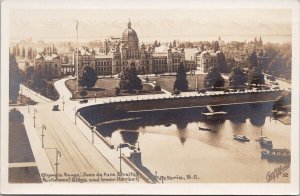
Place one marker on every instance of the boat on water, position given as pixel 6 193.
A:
pixel 205 129
pixel 265 142
pixel 241 138
pixel 277 155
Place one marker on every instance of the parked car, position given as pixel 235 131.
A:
pixel 177 92
pixel 202 91
pixel 55 108
pixel 83 101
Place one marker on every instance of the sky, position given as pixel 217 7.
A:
pixel 163 25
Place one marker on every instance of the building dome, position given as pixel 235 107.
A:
pixel 129 37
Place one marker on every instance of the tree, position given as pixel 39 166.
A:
pixel 14 79
pixel 221 62
pixel 157 88
pixel 181 82
pixel 118 91
pixel 174 44
pixel 256 76
pixel 237 76
pixel 38 81
pixel 83 93
pixel 213 78
pixel 253 59
pixel 23 53
pixel 29 72
pixel 129 80
pixel 88 78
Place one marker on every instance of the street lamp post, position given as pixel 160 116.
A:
pixel 43 128
pixel 28 108
pixel 95 97
pixel 34 117
pixel 75 114
pixel 63 103
pixel 93 131
pixel 58 153
pixel 120 159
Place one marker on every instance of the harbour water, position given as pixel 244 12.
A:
pixel 172 146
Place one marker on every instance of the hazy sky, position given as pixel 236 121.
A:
pixel 164 25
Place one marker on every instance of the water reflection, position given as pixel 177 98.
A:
pixel 171 141
pixel 130 137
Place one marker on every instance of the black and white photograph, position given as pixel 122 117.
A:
pixel 177 94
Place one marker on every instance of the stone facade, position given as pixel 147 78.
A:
pixel 118 53
pixel 49 66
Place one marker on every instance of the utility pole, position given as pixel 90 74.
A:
pixel 93 131
pixel 75 114
pixel 34 117
pixel 43 128
pixel 63 103
pixel 58 153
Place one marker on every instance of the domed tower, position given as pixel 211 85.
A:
pixel 130 39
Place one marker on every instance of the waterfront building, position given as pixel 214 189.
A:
pixel 118 53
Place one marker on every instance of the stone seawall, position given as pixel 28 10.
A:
pixel 197 101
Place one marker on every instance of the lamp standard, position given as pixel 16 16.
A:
pixel 93 132
pixel 34 117
pixel 63 103
pixel 58 153
pixel 75 113
pixel 43 128
pixel 95 97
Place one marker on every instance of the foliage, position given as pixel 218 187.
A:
pixel 129 80
pixel 157 88
pixel 16 116
pixel 256 76
pixel 221 62
pixel 181 82
pixel 237 76
pixel 213 78
pixel 88 78
pixel 253 59
pixel 118 91
pixel 83 93
pixel 14 79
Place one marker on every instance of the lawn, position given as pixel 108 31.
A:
pixel 167 82
pixel 105 87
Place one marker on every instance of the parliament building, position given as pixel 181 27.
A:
pixel 118 53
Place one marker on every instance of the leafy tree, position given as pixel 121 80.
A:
pixel 14 79
pixel 88 78
pixel 23 53
pixel 83 93
pixel 118 91
pixel 181 82
pixel 38 82
pixel 129 80
pixel 256 76
pixel 157 88
pixel 253 59
pixel 237 76
pixel 213 78
pixel 221 62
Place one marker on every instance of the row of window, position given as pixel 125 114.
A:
pixel 103 68
pixel 103 63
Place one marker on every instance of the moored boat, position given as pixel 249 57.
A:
pixel 278 155
pixel 205 129
pixel 265 142
pixel 241 138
